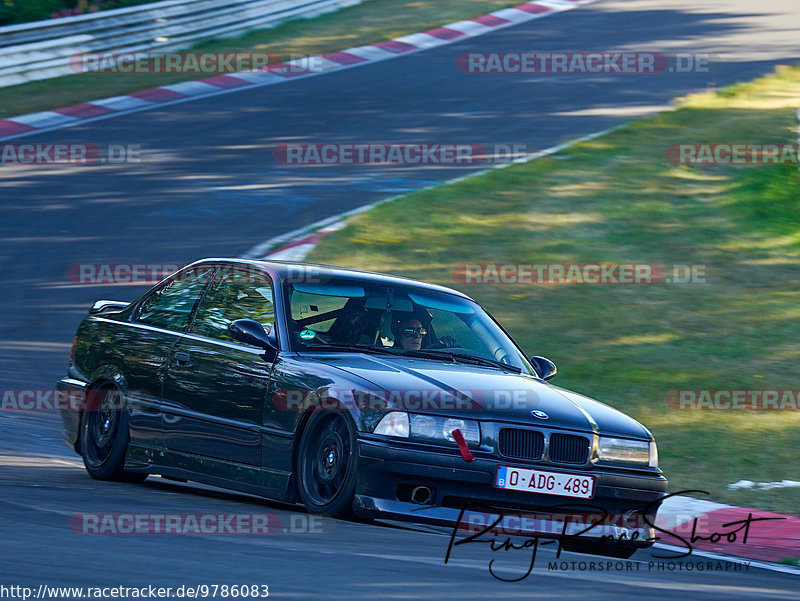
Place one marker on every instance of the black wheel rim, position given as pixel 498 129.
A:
pixel 102 426
pixel 326 461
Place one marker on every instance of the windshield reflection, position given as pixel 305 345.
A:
pixel 352 315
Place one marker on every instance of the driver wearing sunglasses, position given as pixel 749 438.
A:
pixel 410 333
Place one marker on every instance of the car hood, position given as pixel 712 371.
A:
pixel 476 392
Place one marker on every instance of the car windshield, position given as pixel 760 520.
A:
pixel 354 315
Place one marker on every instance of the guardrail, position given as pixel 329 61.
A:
pixel 41 50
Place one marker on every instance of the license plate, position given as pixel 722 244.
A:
pixel 544 483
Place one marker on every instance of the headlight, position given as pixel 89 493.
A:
pixel 428 428
pixel 440 429
pixel 627 451
pixel 653 454
pixel 393 424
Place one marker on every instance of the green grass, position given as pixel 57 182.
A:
pixel 366 23
pixel 617 199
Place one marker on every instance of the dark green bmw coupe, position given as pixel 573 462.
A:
pixel 356 394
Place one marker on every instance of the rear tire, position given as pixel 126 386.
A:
pixel 327 464
pixel 104 436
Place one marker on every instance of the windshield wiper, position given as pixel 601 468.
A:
pixel 385 350
pixel 358 348
pixel 481 361
pixel 439 355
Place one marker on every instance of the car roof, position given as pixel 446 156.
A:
pixel 290 268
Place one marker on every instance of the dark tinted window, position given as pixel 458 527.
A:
pixel 170 306
pixel 236 293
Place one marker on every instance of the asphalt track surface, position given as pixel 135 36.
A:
pixel 209 186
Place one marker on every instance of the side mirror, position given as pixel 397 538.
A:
pixel 251 332
pixel 544 367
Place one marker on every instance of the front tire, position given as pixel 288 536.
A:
pixel 104 436
pixel 327 464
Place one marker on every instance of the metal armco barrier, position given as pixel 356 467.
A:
pixel 42 50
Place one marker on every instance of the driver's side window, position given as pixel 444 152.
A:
pixel 235 293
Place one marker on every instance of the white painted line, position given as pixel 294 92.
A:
pixel 316 64
pixel 573 575
pixel 556 4
pixel 679 510
pixel 762 565
pixel 295 253
pixel 784 569
pixel 45 119
pixel 515 15
pixel 192 88
pixel 469 27
pixel 263 248
pixel 422 40
pixel 371 53
pixel 260 77
pixel 123 103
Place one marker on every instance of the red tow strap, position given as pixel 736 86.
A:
pixel 466 454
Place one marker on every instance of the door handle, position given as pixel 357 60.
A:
pixel 182 358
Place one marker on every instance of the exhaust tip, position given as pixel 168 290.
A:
pixel 421 495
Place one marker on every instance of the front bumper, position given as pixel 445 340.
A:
pixel 623 502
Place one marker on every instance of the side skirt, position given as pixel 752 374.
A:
pixel 263 482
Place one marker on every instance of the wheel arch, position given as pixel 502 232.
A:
pixel 305 417
pixel 338 503
pixel 96 385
